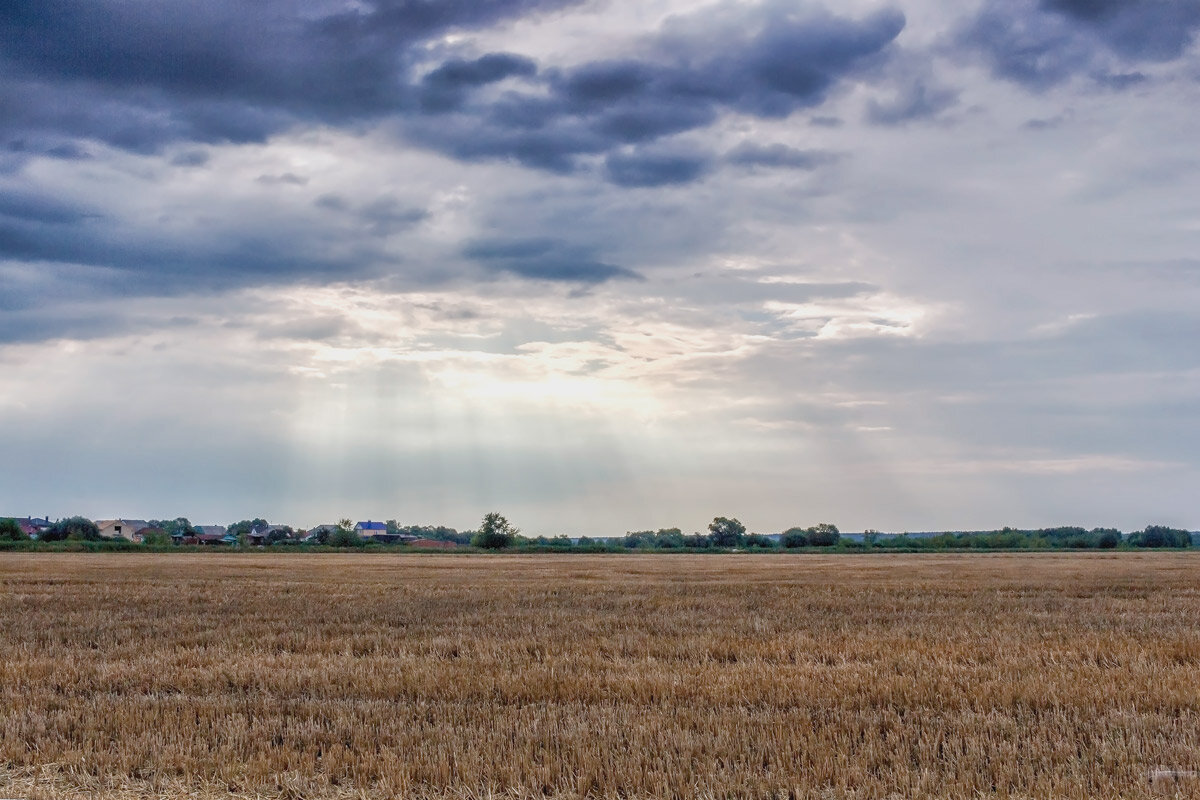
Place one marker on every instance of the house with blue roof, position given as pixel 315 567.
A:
pixel 370 528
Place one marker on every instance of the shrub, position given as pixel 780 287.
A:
pixel 73 528
pixel 344 537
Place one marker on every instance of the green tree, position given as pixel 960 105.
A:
pixel 10 531
pixel 726 532
pixel 668 538
pixel 823 535
pixel 794 537
pixel 495 533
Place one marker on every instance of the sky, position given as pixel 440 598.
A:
pixel 602 265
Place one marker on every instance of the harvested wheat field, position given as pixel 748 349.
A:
pixel 438 676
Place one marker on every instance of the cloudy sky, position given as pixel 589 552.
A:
pixel 602 265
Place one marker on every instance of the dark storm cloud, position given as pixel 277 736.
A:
pixel 771 64
pixel 544 259
pixel 1042 44
pixel 139 75
pixel 446 88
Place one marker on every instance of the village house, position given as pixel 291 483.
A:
pixel 130 529
pixel 268 534
pixel 32 526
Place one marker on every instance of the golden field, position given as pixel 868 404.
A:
pixel 656 676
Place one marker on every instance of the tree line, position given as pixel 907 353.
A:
pixel 724 533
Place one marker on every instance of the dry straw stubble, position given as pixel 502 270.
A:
pixel 1047 675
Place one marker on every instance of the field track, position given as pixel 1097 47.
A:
pixel 643 676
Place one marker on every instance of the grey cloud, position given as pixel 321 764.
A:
pixel 920 100
pixel 643 169
pixel 317 329
pixel 388 215
pixel 382 216
pixel 545 259
pixel 725 290
pixel 750 154
pixel 129 262
pixel 1026 48
pixel 37 208
pixel 446 88
pixel 287 177
pixel 1043 44
pixel 1045 123
pixel 36 326
pixel 1151 30
pixel 68 151
pixel 1120 81
pixel 770 65
pixel 190 158
pixel 332 202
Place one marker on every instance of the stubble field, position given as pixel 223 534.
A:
pixel 438 676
